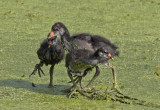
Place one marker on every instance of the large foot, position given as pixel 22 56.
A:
pixel 73 91
pixel 37 67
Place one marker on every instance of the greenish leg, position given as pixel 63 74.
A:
pixel 115 85
pixel 74 84
pixel 94 77
pixel 79 79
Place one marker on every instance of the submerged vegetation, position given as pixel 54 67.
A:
pixel 133 25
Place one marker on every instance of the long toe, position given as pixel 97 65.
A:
pixel 72 93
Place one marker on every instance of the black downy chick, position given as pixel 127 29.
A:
pixel 83 62
pixel 51 52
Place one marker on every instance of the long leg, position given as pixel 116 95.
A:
pixel 78 80
pixel 114 77
pixel 74 84
pixel 80 77
pixel 51 76
pixel 95 76
pixel 71 77
pixel 115 85
pixel 74 79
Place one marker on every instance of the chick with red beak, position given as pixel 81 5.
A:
pixel 110 56
pixel 50 38
pixel 51 34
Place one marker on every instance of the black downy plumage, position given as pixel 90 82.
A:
pixel 51 52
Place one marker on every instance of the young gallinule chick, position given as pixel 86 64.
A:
pixel 51 52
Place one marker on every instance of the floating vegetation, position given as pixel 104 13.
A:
pixel 157 73
pixel 31 16
pixel 8 12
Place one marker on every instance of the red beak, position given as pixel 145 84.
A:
pixel 51 34
pixel 110 56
